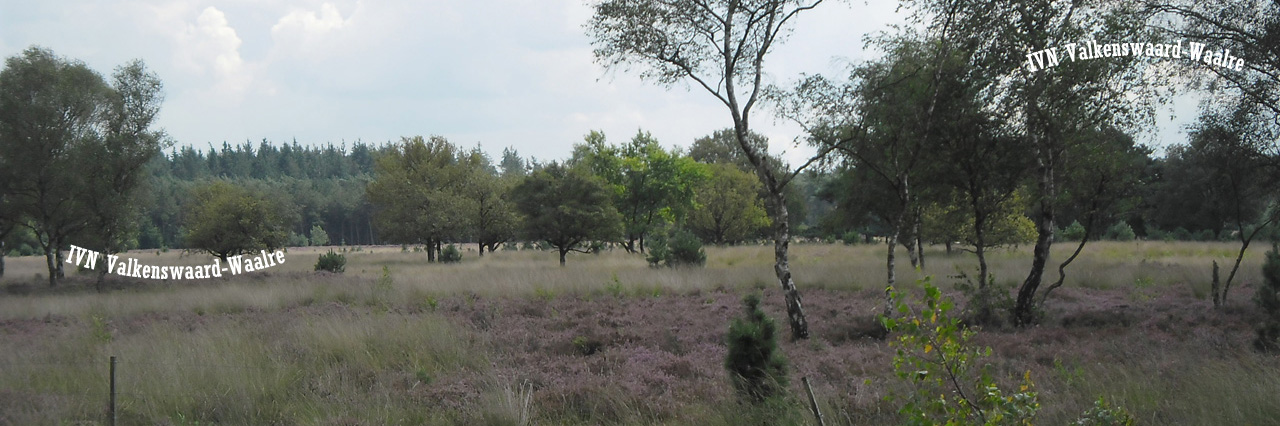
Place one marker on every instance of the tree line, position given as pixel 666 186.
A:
pixel 949 138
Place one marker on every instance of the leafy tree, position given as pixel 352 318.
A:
pixel 318 236
pixel 416 193
pixel 719 45
pixel 1231 147
pixel 880 124
pixel 729 206
pixel 1249 28
pixel 566 207
pixel 226 220
pixel 73 147
pixel 1059 107
pixel 492 219
pixel 721 147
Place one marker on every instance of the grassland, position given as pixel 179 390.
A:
pixel 513 338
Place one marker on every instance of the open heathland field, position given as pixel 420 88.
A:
pixel 513 338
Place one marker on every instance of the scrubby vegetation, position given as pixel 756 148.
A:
pixel 332 262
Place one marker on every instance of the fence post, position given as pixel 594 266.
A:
pixel 111 409
pixel 813 402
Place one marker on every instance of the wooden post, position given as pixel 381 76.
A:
pixel 813 402
pixel 111 410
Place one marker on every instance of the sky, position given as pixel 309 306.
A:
pixel 499 73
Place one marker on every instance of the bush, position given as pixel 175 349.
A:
pixel 1268 298
pixel 686 250
pixel 1203 235
pixel 318 236
pixel 332 262
pixel 297 240
pixel 658 249
pixel 851 238
pixel 1181 234
pixel 755 362
pixel 1074 232
pixel 1103 414
pixel 935 356
pixel 681 248
pixel 1121 231
pixel 450 254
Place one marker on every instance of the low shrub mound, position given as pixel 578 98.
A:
pixel 332 262
pixel 450 254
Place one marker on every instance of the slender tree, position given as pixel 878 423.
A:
pixel 720 46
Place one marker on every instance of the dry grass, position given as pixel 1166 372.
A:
pixel 500 339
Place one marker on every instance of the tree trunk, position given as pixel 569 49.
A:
pixel 58 260
pixel 2 258
pixel 481 244
pixel 431 251
pixel 48 260
pixel 781 243
pixel 919 239
pixel 563 251
pixel 1024 310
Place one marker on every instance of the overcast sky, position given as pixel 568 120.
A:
pixel 500 72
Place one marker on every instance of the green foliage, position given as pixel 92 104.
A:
pixel 1121 231
pixel 1103 414
pixel 851 238
pixel 679 248
pixel 567 208
pixel 298 240
pixel 1074 232
pixel 417 191
pixel 686 250
pixel 1268 298
pixel 730 209
pixel 73 149
pixel 318 236
pixel 659 249
pixel 946 372
pixel 226 220
pixel 649 185
pixel 450 254
pixel 755 362
pixel 332 262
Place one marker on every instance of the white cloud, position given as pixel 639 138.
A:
pixel 306 31
pixel 210 47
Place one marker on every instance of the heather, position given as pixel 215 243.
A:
pixel 512 338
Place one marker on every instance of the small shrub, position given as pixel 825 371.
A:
pixel 755 362
pixel 1204 235
pixel 1181 234
pixel 946 372
pixel 1268 298
pixel 450 254
pixel 1074 232
pixel 332 262
pixel 681 248
pixel 1121 231
pixel 851 238
pixel 1103 414
pixel 587 346
pixel 658 249
pixel 686 250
